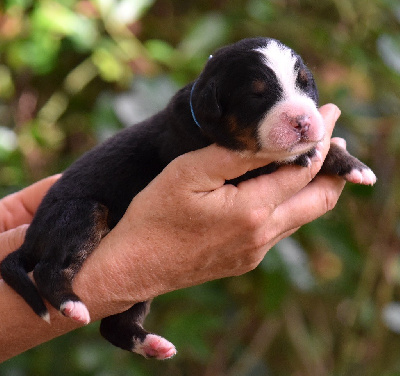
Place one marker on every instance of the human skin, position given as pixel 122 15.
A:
pixel 185 228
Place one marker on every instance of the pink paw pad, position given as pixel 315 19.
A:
pixel 76 311
pixel 154 346
pixel 364 176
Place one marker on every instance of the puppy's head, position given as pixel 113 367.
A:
pixel 257 95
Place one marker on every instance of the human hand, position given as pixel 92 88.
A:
pixel 16 212
pixel 187 227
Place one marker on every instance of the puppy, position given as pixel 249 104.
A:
pixel 255 97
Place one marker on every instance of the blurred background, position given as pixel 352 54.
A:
pixel 324 302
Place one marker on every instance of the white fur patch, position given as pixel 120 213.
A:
pixel 154 346
pixel 281 60
pixel 364 176
pixel 46 317
pixel 76 311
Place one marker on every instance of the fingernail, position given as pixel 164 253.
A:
pixel 341 142
pixel 337 113
pixel 318 155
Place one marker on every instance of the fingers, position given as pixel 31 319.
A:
pixel 11 240
pixel 18 208
pixel 33 195
pixel 317 198
pixel 330 113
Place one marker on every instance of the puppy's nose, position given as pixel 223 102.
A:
pixel 302 123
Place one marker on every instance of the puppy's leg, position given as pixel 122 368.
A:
pixel 75 233
pixel 14 271
pixel 125 330
pixel 340 162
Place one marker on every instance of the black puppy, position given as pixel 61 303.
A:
pixel 255 97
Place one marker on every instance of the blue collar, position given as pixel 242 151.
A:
pixel 191 106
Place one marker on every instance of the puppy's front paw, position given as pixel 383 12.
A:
pixel 340 162
pixel 363 176
pixel 76 311
pixel 154 346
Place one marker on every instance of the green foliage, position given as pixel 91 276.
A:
pixel 323 303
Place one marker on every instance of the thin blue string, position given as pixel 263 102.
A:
pixel 190 102
pixel 191 106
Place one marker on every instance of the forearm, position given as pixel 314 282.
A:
pixel 21 329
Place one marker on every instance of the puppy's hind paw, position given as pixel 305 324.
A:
pixel 154 346
pixel 76 311
pixel 46 317
pixel 363 176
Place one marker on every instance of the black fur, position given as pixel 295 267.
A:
pixel 232 95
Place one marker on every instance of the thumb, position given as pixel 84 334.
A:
pixel 208 168
pixel 12 239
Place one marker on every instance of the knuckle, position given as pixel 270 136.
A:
pixel 252 219
pixel 247 265
pixel 253 225
pixel 178 174
pixel 177 168
pixel 330 198
pixel 254 258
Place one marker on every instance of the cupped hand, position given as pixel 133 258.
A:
pixel 187 226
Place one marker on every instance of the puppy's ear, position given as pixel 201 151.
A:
pixel 208 107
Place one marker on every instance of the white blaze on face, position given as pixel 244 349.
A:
pixel 293 125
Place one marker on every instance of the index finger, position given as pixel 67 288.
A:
pixel 18 208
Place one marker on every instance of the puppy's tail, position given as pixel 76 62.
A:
pixel 14 270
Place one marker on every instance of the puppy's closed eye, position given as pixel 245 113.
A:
pixel 259 87
pixel 302 78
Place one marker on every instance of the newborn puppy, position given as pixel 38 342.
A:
pixel 255 97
